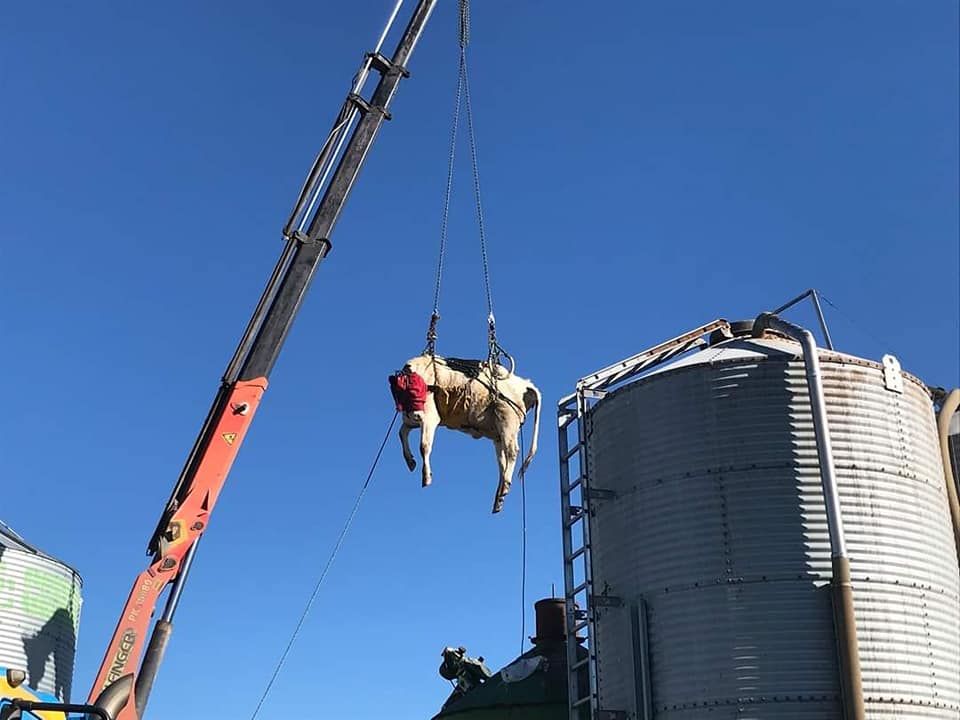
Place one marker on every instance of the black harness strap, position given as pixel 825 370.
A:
pixel 473 369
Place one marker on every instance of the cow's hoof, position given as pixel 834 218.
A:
pixel 426 482
pixel 497 506
pixel 411 464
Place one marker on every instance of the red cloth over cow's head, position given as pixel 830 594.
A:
pixel 409 390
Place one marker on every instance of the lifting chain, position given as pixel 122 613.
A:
pixel 464 23
pixel 431 348
pixel 462 98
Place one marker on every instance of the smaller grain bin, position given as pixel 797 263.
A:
pixel 39 614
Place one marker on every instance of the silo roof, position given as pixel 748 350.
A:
pixel 745 349
pixel 736 350
pixel 9 538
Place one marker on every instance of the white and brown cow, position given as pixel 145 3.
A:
pixel 464 395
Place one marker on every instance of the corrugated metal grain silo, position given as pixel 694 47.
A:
pixel 39 615
pixel 708 518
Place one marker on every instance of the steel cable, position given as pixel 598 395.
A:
pixel 323 574
pixel 523 550
pixel 855 323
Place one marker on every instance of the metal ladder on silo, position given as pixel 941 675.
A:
pixel 575 496
pixel 577 570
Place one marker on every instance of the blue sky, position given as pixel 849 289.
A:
pixel 646 167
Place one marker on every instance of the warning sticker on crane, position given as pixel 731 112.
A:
pixel 230 437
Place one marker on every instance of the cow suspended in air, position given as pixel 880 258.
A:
pixel 472 396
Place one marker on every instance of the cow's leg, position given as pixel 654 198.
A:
pixel 507 452
pixel 428 426
pixel 501 464
pixel 405 427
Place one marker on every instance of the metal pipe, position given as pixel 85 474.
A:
pixel 818 407
pixel 947 408
pixel 33 706
pixel 841 589
pixel 848 646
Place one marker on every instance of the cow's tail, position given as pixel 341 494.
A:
pixel 532 395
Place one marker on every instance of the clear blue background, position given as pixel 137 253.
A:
pixel 647 166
